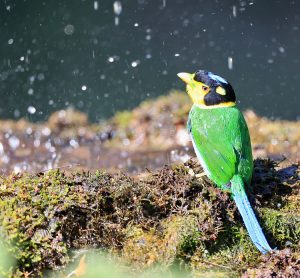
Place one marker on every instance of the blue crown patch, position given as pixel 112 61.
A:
pixel 217 78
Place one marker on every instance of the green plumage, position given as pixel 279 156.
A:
pixel 222 143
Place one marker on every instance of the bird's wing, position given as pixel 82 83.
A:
pixel 214 148
pixel 217 159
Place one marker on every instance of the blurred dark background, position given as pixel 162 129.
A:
pixel 103 56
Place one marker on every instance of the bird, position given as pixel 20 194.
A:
pixel 221 141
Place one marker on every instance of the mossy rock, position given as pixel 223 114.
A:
pixel 143 125
pixel 171 217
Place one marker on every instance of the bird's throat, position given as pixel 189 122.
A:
pixel 220 105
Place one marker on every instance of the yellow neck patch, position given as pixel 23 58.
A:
pixel 224 104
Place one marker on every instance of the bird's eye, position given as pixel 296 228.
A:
pixel 205 89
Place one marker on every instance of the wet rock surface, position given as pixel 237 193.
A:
pixel 150 136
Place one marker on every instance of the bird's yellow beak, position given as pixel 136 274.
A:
pixel 186 77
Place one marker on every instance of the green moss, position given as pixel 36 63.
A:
pixel 122 119
pixel 283 225
pixel 29 221
pixel 168 218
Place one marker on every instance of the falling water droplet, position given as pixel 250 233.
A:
pixel 234 11
pixel 117 7
pixel 31 109
pixel 117 10
pixel 110 59
pixel 69 29
pixel 134 64
pixel 230 63
pixel 96 5
pixel 30 91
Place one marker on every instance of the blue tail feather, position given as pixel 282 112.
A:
pixel 256 234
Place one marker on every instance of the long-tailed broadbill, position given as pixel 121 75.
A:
pixel 222 144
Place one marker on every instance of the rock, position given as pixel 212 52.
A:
pixel 68 118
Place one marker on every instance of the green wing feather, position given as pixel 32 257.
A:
pixel 221 140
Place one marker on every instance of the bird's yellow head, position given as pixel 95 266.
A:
pixel 208 90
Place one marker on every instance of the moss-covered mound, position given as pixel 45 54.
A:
pixel 171 217
pixel 153 123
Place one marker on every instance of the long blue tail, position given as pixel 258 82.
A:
pixel 256 234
